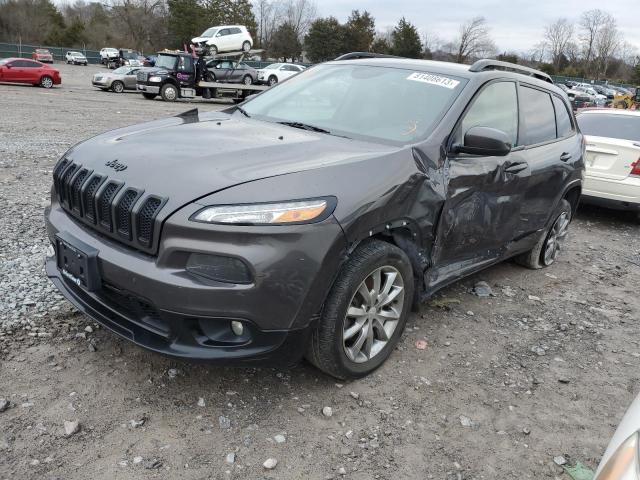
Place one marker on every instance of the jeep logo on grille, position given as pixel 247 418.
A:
pixel 117 166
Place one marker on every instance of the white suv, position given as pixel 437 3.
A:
pixel 107 54
pixel 225 38
pixel 76 58
pixel 277 72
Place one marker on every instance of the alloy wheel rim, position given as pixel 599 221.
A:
pixel 46 82
pixel 247 81
pixel 555 239
pixel 373 314
pixel 272 81
pixel 170 93
pixel 118 88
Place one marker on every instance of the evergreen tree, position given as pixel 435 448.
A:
pixel 360 31
pixel 285 43
pixel 406 40
pixel 325 40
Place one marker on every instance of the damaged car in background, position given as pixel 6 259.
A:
pixel 310 220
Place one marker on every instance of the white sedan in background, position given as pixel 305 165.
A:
pixel 612 158
pixel 277 72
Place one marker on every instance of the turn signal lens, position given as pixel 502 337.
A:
pixel 623 464
pixel 303 211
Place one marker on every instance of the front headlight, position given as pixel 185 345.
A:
pixel 299 211
pixel 623 464
pixel 155 79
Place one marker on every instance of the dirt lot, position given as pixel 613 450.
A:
pixel 546 367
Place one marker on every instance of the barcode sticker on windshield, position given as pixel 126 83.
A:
pixel 434 80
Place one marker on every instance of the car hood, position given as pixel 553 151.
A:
pixel 187 157
pixel 200 39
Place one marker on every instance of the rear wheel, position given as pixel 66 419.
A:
pixel 246 46
pixel 149 96
pixel 247 80
pixel 365 312
pixel 46 82
pixel 273 80
pixel 117 86
pixel 545 252
pixel 169 92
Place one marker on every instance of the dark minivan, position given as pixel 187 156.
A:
pixel 310 219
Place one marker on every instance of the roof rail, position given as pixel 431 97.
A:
pixel 356 55
pixel 486 64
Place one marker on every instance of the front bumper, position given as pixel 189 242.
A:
pixel 148 88
pixel 154 302
pixel 101 84
pixel 176 335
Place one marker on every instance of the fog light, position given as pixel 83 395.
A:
pixel 237 327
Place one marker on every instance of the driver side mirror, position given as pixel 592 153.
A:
pixel 485 141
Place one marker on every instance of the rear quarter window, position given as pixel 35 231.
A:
pixel 538 116
pixel 563 120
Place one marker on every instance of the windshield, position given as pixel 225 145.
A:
pixel 210 32
pixel 166 61
pixel 272 66
pixel 40 50
pixel 3 61
pixel 130 55
pixel 76 54
pixel 121 70
pixel 388 104
pixel 624 127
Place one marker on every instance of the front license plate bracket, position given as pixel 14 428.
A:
pixel 78 262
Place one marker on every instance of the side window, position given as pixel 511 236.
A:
pixel 29 64
pixel 496 107
pixel 562 118
pixel 235 31
pixel 224 32
pixel 538 114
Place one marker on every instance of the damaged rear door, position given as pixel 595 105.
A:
pixel 482 211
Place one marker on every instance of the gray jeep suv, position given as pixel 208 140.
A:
pixel 310 220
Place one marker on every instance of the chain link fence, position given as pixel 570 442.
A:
pixel 25 51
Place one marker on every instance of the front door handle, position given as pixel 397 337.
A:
pixel 516 167
pixel 565 157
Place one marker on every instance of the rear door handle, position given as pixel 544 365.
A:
pixel 565 157
pixel 516 167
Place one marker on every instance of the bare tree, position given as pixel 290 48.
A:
pixel 606 44
pixel 267 18
pixel 591 23
pixel 300 14
pixel 558 36
pixel 473 40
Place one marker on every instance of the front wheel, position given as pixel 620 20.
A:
pixel 169 92
pixel 546 250
pixel 117 86
pixel 46 82
pixel 365 312
pixel 272 80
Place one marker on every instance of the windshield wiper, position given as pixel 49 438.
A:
pixel 305 126
pixel 243 111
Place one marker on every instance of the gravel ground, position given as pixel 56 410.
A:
pixel 543 368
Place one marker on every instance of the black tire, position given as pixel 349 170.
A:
pixel 246 46
pixel 169 92
pixel 247 80
pixel 326 348
pixel 210 77
pixel 272 80
pixel 149 96
pixel 46 81
pixel 535 258
pixel 117 86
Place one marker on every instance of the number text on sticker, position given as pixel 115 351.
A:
pixel 434 80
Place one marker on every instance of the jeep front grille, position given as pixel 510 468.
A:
pixel 109 206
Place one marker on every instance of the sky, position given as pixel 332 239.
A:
pixel 516 25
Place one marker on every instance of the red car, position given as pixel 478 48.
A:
pixel 21 70
pixel 42 55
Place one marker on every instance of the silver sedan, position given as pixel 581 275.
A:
pixel 121 79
